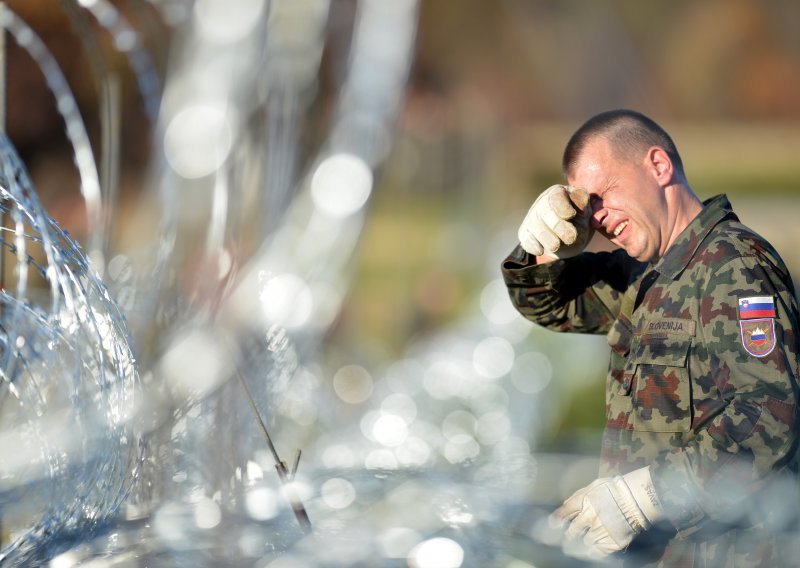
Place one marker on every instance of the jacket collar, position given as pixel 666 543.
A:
pixel 682 250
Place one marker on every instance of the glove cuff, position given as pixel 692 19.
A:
pixel 640 485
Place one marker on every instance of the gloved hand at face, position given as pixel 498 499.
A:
pixel 605 516
pixel 557 224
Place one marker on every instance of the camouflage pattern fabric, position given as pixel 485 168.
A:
pixel 705 398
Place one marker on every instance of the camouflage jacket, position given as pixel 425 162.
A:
pixel 702 382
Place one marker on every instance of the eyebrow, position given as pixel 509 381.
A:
pixel 610 183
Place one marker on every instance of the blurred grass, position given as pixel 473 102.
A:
pixel 402 286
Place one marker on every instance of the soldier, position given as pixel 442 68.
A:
pixel 698 456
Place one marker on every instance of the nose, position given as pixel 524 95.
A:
pixel 599 213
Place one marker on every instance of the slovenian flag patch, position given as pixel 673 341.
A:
pixel 756 307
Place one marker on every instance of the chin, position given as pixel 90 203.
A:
pixel 641 252
pixel 642 256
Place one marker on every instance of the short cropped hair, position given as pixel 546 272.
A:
pixel 629 133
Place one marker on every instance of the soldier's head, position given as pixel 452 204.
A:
pixel 634 175
pixel 629 133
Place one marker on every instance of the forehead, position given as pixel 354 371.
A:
pixel 594 165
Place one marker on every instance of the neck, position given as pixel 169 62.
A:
pixel 685 205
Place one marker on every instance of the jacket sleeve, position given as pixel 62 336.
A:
pixel 580 294
pixel 745 440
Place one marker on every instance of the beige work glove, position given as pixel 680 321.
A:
pixel 557 224
pixel 605 516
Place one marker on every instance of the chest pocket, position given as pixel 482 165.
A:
pixel 661 389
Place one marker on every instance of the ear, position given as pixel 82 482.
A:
pixel 659 164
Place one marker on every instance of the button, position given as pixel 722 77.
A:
pixel 626 382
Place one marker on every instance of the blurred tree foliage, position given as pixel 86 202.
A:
pixel 719 59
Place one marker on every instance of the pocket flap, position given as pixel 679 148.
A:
pixel 668 352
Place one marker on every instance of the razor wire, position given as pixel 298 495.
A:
pixel 69 381
pixel 259 317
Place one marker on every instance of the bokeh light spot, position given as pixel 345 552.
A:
pixel 380 459
pixel 226 22
pixel 197 140
pixel 207 514
pixel 460 448
pixel 402 405
pixel 338 493
pixel 397 542
pixel 414 452
pixel 261 503
pixel 496 305
pixel 195 364
pixel 437 553
pixel 352 384
pixel 338 456
pixel 493 357
pixel 286 300
pixel 390 430
pixel 493 427
pixel 532 372
pixel 341 185
pixel 459 422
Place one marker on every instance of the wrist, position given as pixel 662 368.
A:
pixel 640 484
